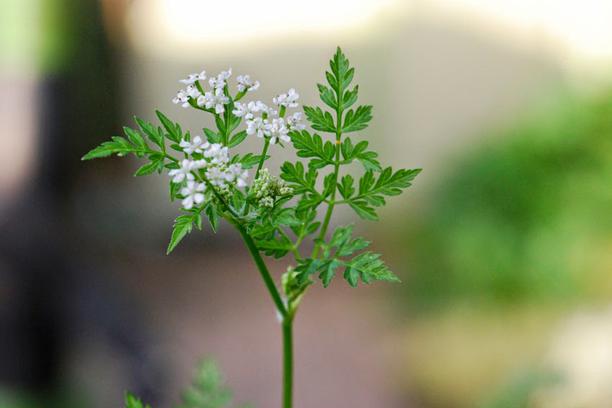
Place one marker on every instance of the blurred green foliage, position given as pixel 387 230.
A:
pixel 518 391
pixel 525 217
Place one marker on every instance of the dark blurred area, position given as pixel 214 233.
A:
pixel 504 243
pixel 53 298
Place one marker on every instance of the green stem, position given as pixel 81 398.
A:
pixel 259 167
pixel 263 271
pixel 263 157
pixel 294 246
pixel 287 318
pixel 332 201
pixel 288 362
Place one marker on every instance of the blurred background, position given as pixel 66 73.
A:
pixel 504 244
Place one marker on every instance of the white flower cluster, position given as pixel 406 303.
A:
pixel 261 120
pixel 216 97
pixel 264 121
pixel 214 159
pixel 267 189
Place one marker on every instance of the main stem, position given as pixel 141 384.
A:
pixel 332 201
pixel 285 314
pixel 288 362
pixel 264 272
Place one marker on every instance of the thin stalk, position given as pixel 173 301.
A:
pixel 263 157
pixel 288 362
pixel 263 271
pixel 332 201
pixel 259 167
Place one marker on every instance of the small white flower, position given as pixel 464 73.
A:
pixel 237 174
pixel 193 194
pixel 217 153
pixel 294 121
pixel 257 127
pixel 288 100
pixel 218 99
pixel 193 78
pixel 181 97
pixel 276 130
pixel 192 92
pixel 216 176
pixel 241 180
pixel 248 111
pixel 241 110
pixel 196 145
pixel 178 175
pixel 245 83
pixel 219 81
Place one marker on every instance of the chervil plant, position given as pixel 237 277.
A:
pixel 278 213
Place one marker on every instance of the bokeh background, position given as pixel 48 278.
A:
pixel 504 243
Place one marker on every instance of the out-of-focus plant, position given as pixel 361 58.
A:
pixel 527 217
pixel 519 391
pixel 275 216
pixel 208 390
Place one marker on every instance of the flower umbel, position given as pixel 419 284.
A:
pixel 267 189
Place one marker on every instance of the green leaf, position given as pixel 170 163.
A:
pixel 237 138
pixel 151 167
pixel 173 129
pixel 365 266
pixel 329 185
pixel 286 216
pixel 276 247
pixel 183 225
pixel 320 120
pixel 308 145
pixel 363 210
pixel 372 191
pixel 328 271
pixel 389 183
pixel 343 242
pixel 208 389
pixel 349 98
pixel 213 216
pixel 328 96
pixel 307 267
pixel 248 161
pixel 369 162
pixel 117 145
pixel 368 267
pixel 155 135
pixel 135 137
pixel 220 124
pixel 299 179
pixel 358 119
pixel 132 402
pixel 175 188
pixel 341 73
pixel 359 152
pixel 345 187
pixel 212 136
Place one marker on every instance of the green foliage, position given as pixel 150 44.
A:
pixel 312 146
pixel 133 402
pixel 183 225
pixel 518 391
pixel 372 190
pixel 366 266
pixel 208 389
pixel 284 223
pixel 525 218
